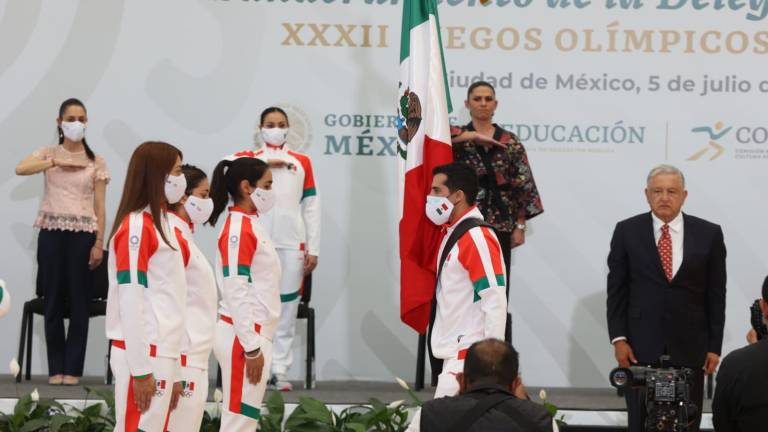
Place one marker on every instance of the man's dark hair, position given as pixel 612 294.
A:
pixel 765 289
pixel 477 84
pixel 491 360
pixel 459 177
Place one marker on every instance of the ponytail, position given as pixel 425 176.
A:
pixel 218 192
pixel 227 176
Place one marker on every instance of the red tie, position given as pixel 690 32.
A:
pixel 665 251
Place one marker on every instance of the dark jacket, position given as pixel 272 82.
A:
pixel 683 318
pixel 741 395
pixel 439 415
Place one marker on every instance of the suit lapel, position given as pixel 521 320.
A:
pixel 650 240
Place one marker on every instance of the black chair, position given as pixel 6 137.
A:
pixel 98 307
pixel 308 313
pixel 304 312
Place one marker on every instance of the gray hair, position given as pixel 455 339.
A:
pixel 665 169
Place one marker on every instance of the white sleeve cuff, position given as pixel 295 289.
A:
pixel 620 338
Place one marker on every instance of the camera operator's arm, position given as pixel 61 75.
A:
pixel 716 301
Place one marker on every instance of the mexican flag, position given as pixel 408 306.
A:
pixel 424 143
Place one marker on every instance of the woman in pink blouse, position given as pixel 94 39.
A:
pixel 70 244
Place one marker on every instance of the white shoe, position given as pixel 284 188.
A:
pixel 280 382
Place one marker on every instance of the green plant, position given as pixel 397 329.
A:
pixel 211 423
pixel 31 414
pixel 552 409
pixel 312 415
pixel 272 420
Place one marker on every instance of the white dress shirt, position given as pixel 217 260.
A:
pixel 676 234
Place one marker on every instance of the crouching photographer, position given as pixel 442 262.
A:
pixel 667 394
pixel 741 395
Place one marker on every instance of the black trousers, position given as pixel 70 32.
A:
pixel 505 241
pixel 65 281
pixel 636 409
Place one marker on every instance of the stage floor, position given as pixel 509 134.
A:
pixel 342 393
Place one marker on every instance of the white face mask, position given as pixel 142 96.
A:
pixel 263 199
pixel 274 136
pixel 74 131
pixel 438 209
pixel 198 209
pixel 175 186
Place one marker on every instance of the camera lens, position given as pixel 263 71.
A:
pixel 620 377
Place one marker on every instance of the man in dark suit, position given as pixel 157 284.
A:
pixel 741 398
pixel 666 289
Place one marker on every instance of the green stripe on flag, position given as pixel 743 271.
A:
pixel 225 270
pixel 124 277
pixel 285 298
pixel 249 411
pixel 415 12
pixel 501 280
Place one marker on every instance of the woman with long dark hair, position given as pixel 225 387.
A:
pixel 294 226
pixel 248 275
pixel 193 209
pixel 70 245
pixel 147 290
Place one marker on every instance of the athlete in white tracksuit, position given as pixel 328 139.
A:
pixel 294 226
pixel 248 275
pixel 200 327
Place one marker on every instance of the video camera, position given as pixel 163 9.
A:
pixel 757 321
pixel 667 395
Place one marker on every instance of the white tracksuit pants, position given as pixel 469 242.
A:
pixel 189 412
pixel 127 417
pixel 241 407
pixel 447 385
pixel 446 381
pixel 292 262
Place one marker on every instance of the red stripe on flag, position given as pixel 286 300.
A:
pixel 419 238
